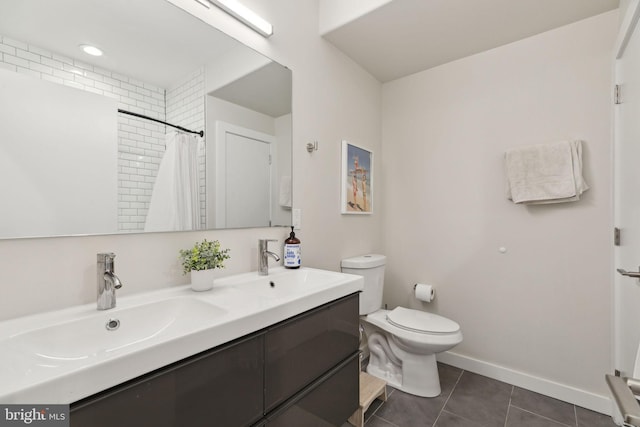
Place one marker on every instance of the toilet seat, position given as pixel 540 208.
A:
pixel 421 321
pixel 414 341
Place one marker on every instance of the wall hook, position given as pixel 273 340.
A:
pixel 312 146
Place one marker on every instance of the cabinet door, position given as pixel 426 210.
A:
pixel 146 402
pixel 222 387
pixel 329 401
pixel 300 350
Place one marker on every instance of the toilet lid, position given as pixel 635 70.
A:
pixel 421 321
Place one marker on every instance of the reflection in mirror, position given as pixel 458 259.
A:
pixel 71 164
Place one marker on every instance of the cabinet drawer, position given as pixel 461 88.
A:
pixel 224 388
pixel 145 402
pixel 327 402
pixel 300 350
pixel 220 387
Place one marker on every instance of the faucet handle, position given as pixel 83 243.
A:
pixel 106 260
pixel 104 256
pixel 263 244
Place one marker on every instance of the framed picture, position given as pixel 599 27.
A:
pixel 357 179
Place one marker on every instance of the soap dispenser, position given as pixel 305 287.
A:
pixel 292 251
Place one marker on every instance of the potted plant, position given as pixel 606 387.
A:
pixel 201 261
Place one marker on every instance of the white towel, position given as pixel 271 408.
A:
pixel 285 191
pixel 545 173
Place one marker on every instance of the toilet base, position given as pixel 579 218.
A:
pixel 415 374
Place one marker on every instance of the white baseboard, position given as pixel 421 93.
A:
pixel 585 399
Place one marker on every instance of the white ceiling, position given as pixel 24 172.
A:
pixel 267 90
pixel 150 40
pixel 403 37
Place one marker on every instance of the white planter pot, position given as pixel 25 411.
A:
pixel 202 280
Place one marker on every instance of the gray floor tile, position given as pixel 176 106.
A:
pixel 587 418
pixel 372 409
pixel 407 410
pixel 520 418
pixel 378 422
pixel 472 400
pixel 447 419
pixel 449 377
pixel 480 399
pixel 548 407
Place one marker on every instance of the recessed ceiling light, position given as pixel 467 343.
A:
pixel 91 50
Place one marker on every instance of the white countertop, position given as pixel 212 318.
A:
pixel 44 365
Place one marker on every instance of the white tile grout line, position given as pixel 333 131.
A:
pixel 448 397
pixel 385 420
pixel 542 416
pixel 506 418
pixel 381 405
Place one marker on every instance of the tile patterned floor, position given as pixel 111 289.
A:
pixel 471 400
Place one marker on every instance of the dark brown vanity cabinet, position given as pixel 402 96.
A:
pixel 302 349
pixel 221 387
pixel 300 372
pixel 327 402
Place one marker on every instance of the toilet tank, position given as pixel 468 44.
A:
pixel 371 267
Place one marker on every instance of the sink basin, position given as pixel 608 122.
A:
pixel 283 283
pixel 66 355
pixel 88 337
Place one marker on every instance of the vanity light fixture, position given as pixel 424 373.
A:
pixel 243 14
pixel 91 50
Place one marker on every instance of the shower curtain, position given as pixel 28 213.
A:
pixel 175 201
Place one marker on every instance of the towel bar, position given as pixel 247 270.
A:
pixel 622 390
pixel 634 274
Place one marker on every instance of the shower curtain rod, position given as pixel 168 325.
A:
pixel 142 116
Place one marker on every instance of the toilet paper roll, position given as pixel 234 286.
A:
pixel 424 292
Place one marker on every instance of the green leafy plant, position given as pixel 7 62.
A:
pixel 204 255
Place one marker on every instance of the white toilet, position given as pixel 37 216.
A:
pixel 402 342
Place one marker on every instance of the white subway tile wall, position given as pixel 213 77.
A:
pixel 141 143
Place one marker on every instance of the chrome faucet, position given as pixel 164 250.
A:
pixel 108 282
pixel 263 256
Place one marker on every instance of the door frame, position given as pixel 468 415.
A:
pixel 628 26
pixel 218 201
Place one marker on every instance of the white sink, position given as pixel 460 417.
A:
pixel 63 356
pixel 86 337
pixel 282 283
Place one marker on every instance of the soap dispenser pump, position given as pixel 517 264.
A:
pixel 292 251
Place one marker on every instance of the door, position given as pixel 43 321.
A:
pixel 627 193
pixel 242 177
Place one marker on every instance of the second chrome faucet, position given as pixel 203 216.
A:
pixel 108 282
pixel 263 256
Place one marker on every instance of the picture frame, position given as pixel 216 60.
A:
pixel 357 179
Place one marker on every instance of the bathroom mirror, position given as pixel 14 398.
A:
pixel 74 161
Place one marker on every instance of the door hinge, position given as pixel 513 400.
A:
pixel 270 159
pixel 616 95
pixel 616 236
